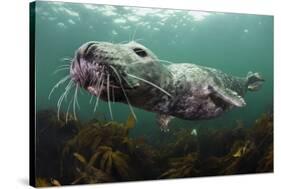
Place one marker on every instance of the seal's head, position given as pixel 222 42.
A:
pixel 101 67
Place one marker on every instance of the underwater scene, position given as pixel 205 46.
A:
pixel 130 93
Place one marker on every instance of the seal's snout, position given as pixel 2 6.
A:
pixel 82 70
pixel 93 63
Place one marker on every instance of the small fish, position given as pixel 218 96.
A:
pixel 80 158
pixel 242 150
pixel 239 152
pixel 55 182
pixel 194 132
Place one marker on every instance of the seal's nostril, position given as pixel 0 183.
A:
pixel 87 48
pixel 91 46
pixel 89 52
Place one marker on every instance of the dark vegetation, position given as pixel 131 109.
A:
pixel 103 151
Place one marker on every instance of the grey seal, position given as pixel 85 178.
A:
pixel 131 73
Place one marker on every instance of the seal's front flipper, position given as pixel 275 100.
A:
pixel 163 120
pixel 227 95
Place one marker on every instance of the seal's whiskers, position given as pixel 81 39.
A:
pixel 64 94
pixel 60 69
pixel 98 86
pixel 98 97
pixel 93 80
pixel 63 65
pixel 75 101
pixel 66 59
pixel 91 99
pixel 159 60
pixel 148 82
pixel 113 95
pixel 64 79
pixel 101 77
pixel 165 61
pixel 108 97
pixel 123 42
pixel 134 34
pixel 67 112
pixel 124 92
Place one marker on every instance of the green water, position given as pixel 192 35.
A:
pixel 234 43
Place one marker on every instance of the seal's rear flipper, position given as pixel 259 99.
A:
pixel 163 120
pixel 227 95
pixel 254 81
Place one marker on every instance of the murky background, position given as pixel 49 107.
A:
pixel 233 43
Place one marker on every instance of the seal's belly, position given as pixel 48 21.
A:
pixel 191 107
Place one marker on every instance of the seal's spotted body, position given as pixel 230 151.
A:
pixel 194 96
pixel 131 73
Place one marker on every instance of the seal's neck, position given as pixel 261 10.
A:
pixel 157 95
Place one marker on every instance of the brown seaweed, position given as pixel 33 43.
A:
pixel 187 166
pixel 87 173
pixel 103 151
pixel 111 161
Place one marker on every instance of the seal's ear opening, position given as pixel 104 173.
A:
pixel 140 52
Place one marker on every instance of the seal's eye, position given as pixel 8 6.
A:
pixel 140 52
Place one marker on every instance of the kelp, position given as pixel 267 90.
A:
pixel 241 159
pixel 228 151
pixel 106 145
pixel 101 151
pixel 87 173
pixel 98 133
pixel 111 161
pixel 263 136
pixel 266 163
pixel 187 166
